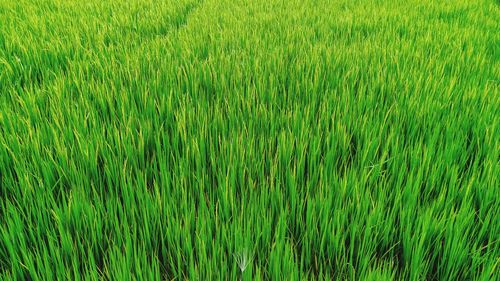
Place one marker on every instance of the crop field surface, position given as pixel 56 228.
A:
pixel 249 140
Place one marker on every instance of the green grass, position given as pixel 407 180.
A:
pixel 299 140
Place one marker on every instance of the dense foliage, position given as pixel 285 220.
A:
pixel 252 139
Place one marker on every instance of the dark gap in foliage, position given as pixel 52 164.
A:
pixel 240 183
pixel 434 256
pixel 102 107
pixel 351 246
pixel 391 253
pixel 62 188
pixel 397 252
pixel 486 244
pixel 403 32
pixel 451 16
pixel 163 258
pixel 103 250
pixel 2 44
pixel 4 265
pixel 23 274
pixel 150 166
pixel 100 165
pixel 305 177
pixel 363 30
pixel 3 203
pixel 211 168
pixel 98 177
pixel 11 179
pixel 346 159
pixel 5 261
pixel 182 19
pixel 315 268
pixel 473 155
pixel 353 150
pixel 428 193
pixel 206 84
pixel 295 234
pixel 3 183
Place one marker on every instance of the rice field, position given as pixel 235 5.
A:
pixel 249 140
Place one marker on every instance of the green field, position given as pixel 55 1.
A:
pixel 249 140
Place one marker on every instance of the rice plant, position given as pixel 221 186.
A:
pixel 332 139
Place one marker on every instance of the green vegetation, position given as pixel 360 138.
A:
pixel 249 139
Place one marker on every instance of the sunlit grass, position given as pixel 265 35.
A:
pixel 301 140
